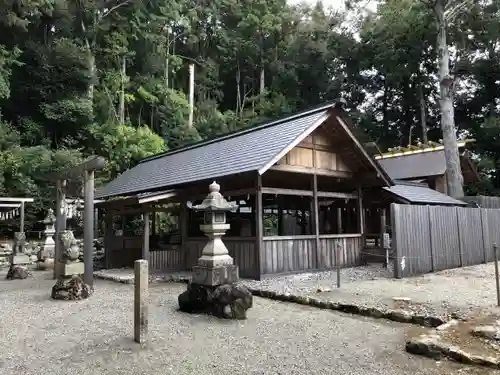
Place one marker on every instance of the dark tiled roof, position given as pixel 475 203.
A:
pixel 422 195
pixel 415 165
pixel 245 151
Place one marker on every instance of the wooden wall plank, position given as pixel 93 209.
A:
pixel 437 238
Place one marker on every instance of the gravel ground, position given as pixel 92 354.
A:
pixel 458 290
pixel 94 337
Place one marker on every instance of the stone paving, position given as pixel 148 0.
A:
pixel 94 337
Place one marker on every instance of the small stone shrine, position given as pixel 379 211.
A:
pixel 214 288
pixel 70 285
pixel 19 260
pixel 46 254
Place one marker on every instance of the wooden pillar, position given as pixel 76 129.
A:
pixel 141 296
pixel 21 225
pixel 316 220
pixel 153 221
pixel 60 224
pixel 360 209
pixel 259 228
pixel 184 226
pixel 108 237
pixel 383 224
pixel 145 243
pixel 88 228
pixel 339 220
pixel 96 222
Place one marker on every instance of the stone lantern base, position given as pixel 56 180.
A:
pixel 71 289
pixel 230 301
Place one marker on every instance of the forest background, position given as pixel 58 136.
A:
pixel 111 78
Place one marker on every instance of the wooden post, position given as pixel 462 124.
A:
pixel 96 222
pixel 383 225
pixel 21 226
pixel 361 216
pixel 145 244
pixel 339 220
pixel 153 220
pixel 460 250
pixel 259 228
pixel 88 228
pixel 431 246
pixel 141 296
pixel 184 223
pixel 497 281
pixel 398 273
pixel 316 220
pixel 108 236
pixel 60 224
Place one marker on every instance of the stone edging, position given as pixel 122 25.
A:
pixel 401 316
pixel 430 346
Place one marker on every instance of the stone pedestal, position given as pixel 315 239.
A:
pixel 213 276
pixel 70 285
pixel 214 289
pixel 19 260
pixel 230 301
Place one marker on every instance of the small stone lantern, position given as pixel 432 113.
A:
pixel 215 267
pixel 214 288
pixel 48 248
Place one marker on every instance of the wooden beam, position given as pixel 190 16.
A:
pixel 259 227
pixel 95 163
pixel 17 200
pixel 310 170
pixel 269 190
pixel 308 193
pixel 334 194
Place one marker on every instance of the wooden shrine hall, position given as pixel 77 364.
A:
pixel 299 183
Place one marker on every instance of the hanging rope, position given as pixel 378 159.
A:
pixel 12 213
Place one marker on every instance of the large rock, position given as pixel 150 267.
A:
pixel 230 301
pixel 71 289
pixel 18 272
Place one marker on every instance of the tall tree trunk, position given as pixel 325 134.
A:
pixel 446 86
pixel 238 89
pixel 191 94
pixel 262 80
pixel 91 68
pixel 423 113
pixel 121 109
pixel 167 58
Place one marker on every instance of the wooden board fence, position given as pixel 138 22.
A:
pixel 434 238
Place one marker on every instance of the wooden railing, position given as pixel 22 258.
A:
pixel 283 254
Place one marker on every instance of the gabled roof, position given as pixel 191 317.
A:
pixel 413 193
pixel 255 149
pixel 415 165
pixel 424 163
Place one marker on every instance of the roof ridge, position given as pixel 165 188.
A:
pixel 241 132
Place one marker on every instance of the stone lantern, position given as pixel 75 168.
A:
pixel 213 288
pixel 215 267
pixel 48 248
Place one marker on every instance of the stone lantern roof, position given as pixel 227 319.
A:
pixel 214 201
pixel 50 218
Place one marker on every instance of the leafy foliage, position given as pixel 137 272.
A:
pixel 111 77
